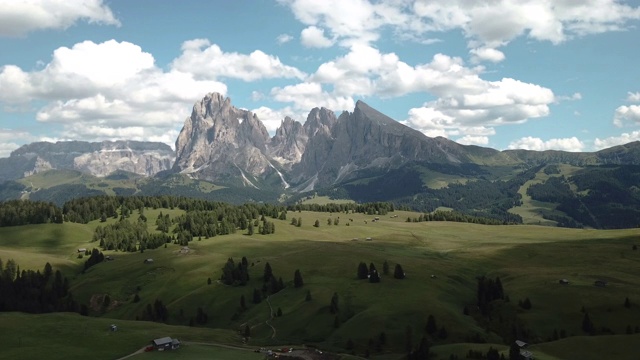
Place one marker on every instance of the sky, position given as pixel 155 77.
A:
pixel 506 74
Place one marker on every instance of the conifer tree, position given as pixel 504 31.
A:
pixel 398 272
pixel 297 279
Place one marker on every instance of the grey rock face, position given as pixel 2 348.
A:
pixel 364 139
pixel 289 143
pixel 98 159
pixel 222 143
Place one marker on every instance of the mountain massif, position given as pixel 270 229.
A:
pixel 99 159
pixel 362 155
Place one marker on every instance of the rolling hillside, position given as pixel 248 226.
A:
pixel 442 262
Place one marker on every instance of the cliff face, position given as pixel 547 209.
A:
pixel 362 140
pixel 98 159
pixel 222 143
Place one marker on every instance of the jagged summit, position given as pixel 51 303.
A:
pixel 231 146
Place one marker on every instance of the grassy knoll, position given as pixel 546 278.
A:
pixel 529 259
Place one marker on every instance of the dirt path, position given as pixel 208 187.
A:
pixel 273 336
pixel 139 351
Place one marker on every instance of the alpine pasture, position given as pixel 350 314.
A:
pixel 441 260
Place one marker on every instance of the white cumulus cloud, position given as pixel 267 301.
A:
pixel 313 37
pixel 308 95
pixel 109 90
pixel 207 61
pixel 487 24
pixel 627 114
pixel 486 54
pixel 473 140
pixel 19 17
pixel 616 140
pixel 533 143
pixel 284 38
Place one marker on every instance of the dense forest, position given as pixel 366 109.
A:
pixel 34 291
pixel 605 197
pixel 18 212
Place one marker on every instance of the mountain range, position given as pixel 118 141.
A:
pixel 361 155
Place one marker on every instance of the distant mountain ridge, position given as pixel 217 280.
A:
pixel 225 153
pixel 98 158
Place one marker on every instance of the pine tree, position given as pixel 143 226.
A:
pixel 587 325
pixel 333 307
pixel 268 273
pixel 374 277
pixel 363 272
pixel 442 333
pixel 297 279
pixel 431 327
pixel 514 352
pixel 398 272
pixel 317 223
pixel 257 296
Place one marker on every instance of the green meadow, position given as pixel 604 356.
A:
pixel 441 261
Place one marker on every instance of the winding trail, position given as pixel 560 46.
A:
pixel 273 336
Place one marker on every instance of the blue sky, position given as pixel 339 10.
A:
pixel 533 74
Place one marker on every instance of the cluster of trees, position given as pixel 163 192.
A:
pixel 271 285
pixel 373 208
pixel 480 198
pixel 34 291
pixel 157 312
pixel 129 236
pixel 488 290
pixel 96 257
pixel 455 216
pixel 24 212
pixel 372 274
pixel 491 354
pixel 235 275
pixel 87 209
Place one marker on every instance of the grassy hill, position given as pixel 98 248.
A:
pixel 441 261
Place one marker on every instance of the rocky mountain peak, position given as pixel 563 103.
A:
pixel 289 142
pixel 320 120
pixel 221 142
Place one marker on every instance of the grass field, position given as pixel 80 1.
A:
pixel 529 259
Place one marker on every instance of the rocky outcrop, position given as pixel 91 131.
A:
pixel 361 140
pixel 289 143
pixel 224 144
pixel 95 158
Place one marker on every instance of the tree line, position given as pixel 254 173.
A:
pixel 34 291
pixel 19 212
